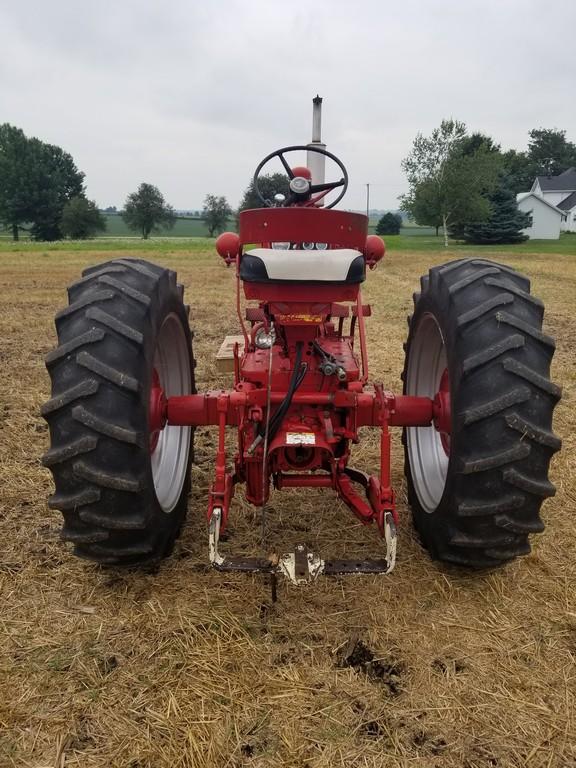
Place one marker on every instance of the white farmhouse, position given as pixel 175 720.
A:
pixel 546 217
pixel 560 191
pixel 568 205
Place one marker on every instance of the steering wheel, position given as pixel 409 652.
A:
pixel 301 190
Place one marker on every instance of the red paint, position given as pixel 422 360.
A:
pixel 304 225
pixel 295 293
pixel 311 447
pixel 301 170
pixel 303 481
pixel 402 410
pixel 157 410
pixel 374 250
pixel 442 411
pixel 228 246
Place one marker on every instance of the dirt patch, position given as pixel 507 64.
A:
pixel 386 670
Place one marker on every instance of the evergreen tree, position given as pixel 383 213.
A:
pixel 505 222
pixel 389 224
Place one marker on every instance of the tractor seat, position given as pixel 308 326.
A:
pixel 268 265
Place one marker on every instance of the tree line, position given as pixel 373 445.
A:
pixel 42 194
pixel 37 180
pixel 460 182
pixel 465 184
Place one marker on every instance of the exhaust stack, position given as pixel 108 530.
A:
pixel 314 161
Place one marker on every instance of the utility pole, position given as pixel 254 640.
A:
pixel 368 200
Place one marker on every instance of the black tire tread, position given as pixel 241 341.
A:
pixel 119 378
pixel 502 439
pixel 83 389
pixel 97 414
pixel 126 289
pixel 70 450
pixel 497 404
pixel 105 427
pixel 114 324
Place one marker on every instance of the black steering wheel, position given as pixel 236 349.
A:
pixel 301 190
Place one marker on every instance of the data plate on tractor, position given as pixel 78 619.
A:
pixel 300 438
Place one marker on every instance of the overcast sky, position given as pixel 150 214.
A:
pixel 190 95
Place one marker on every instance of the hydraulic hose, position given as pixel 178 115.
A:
pixel 295 380
pixel 297 377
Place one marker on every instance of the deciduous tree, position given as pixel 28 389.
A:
pixel 81 219
pixel 270 184
pixel 550 151
pixel 446 182
pixel 216 213
pixel 423 205
pixel 36 181
pixel 146 211
pixel 519 169
pixel 17 187
pixel 59 181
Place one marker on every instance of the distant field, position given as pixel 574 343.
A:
pixel 189 226
pixel 566 244
pixel 195 227
pixel 190 234
pixel 194 244
pixel 184 227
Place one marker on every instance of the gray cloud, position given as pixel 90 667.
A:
pixel 189 96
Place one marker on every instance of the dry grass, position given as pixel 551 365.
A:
pixel 189 668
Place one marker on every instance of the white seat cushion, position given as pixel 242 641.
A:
pixel 306 265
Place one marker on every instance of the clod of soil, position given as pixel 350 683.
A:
pixel 370 730
pixel 384 670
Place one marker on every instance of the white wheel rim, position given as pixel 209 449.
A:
pixel 169 459
pixel 428 459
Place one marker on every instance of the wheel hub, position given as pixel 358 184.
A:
pixel 441 411
pixel 429 447
pixel 169 444
pixel 158 405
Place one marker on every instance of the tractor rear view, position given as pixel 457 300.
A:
pixel 476 406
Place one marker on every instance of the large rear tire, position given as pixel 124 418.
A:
pixel 476 489
pixel 122 491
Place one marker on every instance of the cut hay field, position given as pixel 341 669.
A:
pixel 429 667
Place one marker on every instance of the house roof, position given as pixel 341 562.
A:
pixel 524 195
pixel 564 182
pixel 568 203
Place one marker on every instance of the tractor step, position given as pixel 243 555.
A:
pixel 301 566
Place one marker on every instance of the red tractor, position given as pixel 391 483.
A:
pixel 476 406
